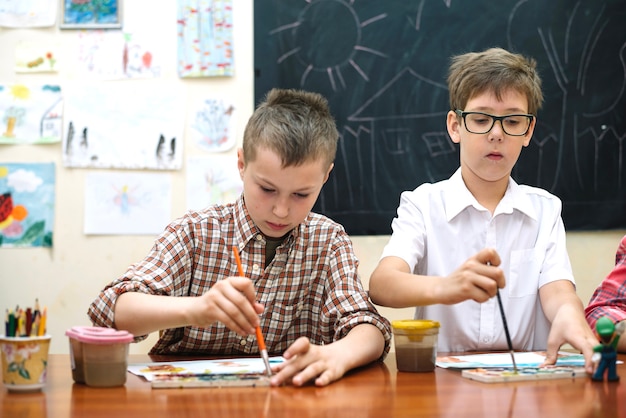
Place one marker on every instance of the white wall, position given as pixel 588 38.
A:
pixel 67 277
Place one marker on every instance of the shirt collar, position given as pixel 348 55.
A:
pixel 246 230
pixel 458 197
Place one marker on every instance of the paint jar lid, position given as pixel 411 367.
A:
pixel 414 324
pixel 99 335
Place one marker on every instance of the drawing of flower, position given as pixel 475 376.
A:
pixel 51 59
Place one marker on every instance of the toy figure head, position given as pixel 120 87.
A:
pixel 605 328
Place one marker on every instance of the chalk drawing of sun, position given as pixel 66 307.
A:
pixel 319 49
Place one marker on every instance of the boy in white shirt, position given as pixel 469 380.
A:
pixel 455 242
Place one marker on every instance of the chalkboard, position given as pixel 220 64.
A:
pixel 382 64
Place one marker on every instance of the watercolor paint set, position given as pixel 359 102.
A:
pixel 508 374
pixel 173 381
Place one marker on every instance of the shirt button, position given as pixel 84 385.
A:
pixel 486 339
pixel 259 237
pixel 242 342
pixel 256 268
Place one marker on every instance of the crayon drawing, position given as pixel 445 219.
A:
pixel 212 180
pixel 30 114
pixel 28 13
pixel 26 204
pixel 205 38
pixel 127 203
pixel 109 55
pixel 213 125
pixel 109 125
pixel 36 57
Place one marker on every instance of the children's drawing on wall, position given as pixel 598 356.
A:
pixel 30 114
pixel 36 57
pixel 205 38
pixel 212 179
pixel 113 126
pixel 91 14
pixel 111 55
pixel 213 125
pixel 127 203
pixel 26 204
pixel 28 13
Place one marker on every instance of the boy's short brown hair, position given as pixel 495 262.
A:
pixel 295 124
pixel 495 70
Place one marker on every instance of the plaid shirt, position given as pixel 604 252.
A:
pixel 311 288
pixel 609 298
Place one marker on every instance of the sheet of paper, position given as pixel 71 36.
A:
pixel 503 360
pixel 247 365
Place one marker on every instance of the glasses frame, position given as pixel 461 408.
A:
pixel 462 114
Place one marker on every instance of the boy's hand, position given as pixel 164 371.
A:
pixel 478 278
pixel 569 326
pixel 305 362
pixel 230 301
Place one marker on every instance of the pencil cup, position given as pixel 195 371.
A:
pixel 99 356
pixel 24 362
pixel 416 344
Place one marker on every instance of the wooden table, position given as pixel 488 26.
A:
pixel 377 390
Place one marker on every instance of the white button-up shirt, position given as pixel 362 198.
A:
pixel 439 226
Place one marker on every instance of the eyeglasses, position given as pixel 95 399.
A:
pixel 481 123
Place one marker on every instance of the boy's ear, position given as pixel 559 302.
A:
pixel 241 164
pixel 453 125
pixel 328 172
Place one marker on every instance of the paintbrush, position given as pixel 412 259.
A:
pixel 259 335
pixel 506 331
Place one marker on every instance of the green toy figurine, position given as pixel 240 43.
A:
pixel 606 351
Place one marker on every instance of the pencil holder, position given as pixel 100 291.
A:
pixel 24 362
pixel 416 344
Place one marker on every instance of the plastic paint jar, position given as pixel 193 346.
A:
pixel 415 342
pixel 99 356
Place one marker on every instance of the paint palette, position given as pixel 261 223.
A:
pixel 496 375
pixel 186 380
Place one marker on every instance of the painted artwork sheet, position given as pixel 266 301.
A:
pixel 28 13
pixel 110 125
pixel 116 55
pixel 30 114
pixel 36 57
pixel 127 203
pixel 27 204
pixel 212 179
pixel 503 360
pixel 205 38
pixel 91 14
pixel 226 366
pixel 213 125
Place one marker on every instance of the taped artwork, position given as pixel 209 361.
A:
pixel 508 374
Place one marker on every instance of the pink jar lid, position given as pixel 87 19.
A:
pixel 99 335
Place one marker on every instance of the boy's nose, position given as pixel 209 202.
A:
pixel 281 208
pixel 497 132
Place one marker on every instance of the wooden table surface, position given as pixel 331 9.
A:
pixel 377 390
